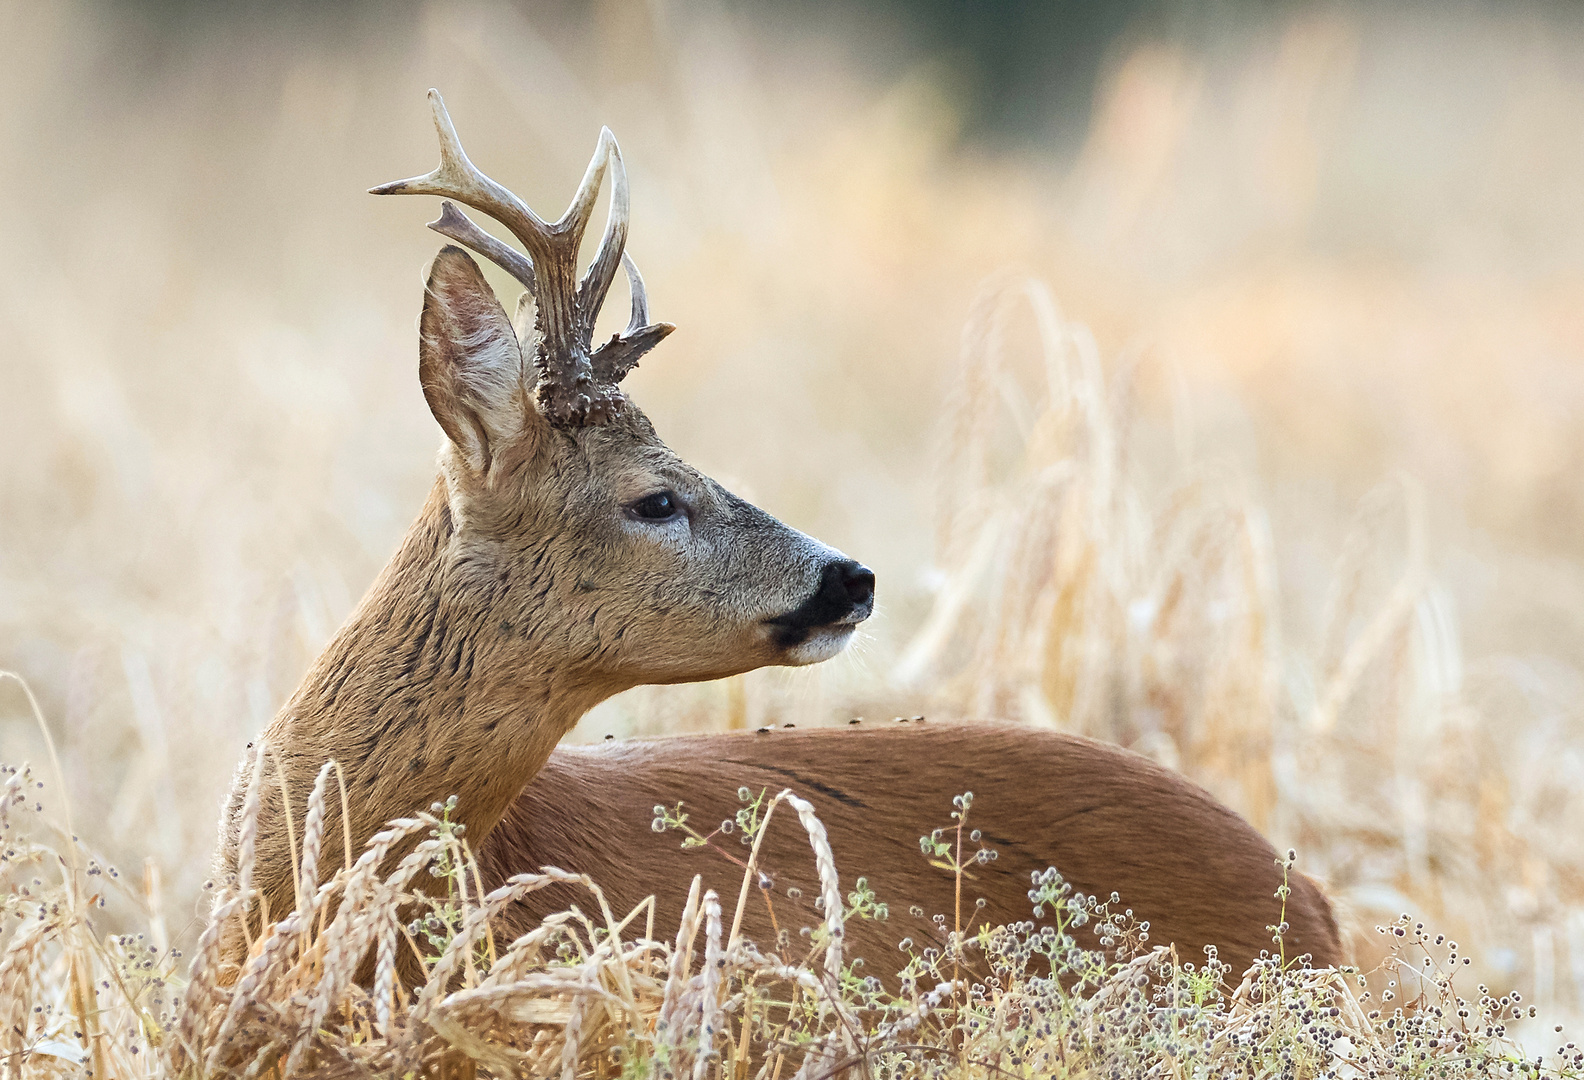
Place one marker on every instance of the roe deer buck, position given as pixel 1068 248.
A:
pixel 565 554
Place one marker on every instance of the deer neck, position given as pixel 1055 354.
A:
pixel 422 695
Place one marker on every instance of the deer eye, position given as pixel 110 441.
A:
pixel 661 506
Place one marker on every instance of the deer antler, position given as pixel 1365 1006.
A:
pixel 576 385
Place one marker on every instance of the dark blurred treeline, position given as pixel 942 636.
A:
pixel 1021 69
pixel 1016 69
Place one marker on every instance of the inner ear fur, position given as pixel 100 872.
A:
pixel 470 362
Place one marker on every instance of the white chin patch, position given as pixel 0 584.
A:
pixel 822 644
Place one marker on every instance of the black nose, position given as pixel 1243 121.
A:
pixel 853 580
pixel 846 589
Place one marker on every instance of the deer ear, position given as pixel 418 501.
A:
pixel 469 360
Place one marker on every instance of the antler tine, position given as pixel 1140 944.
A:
pixel 601 272
pixel 581 208
pixel 613 360
pixel 459 227
pixel 640 296
pixel 458 178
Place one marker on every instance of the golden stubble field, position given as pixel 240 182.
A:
pixel 1244 432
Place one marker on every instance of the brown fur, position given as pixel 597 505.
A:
pixel 1107 819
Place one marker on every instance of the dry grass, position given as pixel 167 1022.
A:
pixel 1082 994
pixel 1079 600
pixel 1299 517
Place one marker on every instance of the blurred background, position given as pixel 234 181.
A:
pixel 1203 377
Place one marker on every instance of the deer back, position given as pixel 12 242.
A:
pixel 1107 819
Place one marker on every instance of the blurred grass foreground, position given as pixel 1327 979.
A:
pixel 1229 412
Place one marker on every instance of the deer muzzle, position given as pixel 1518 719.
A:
pixel 844 598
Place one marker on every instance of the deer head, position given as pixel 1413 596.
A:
pixel 565 554
pixel 659 574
